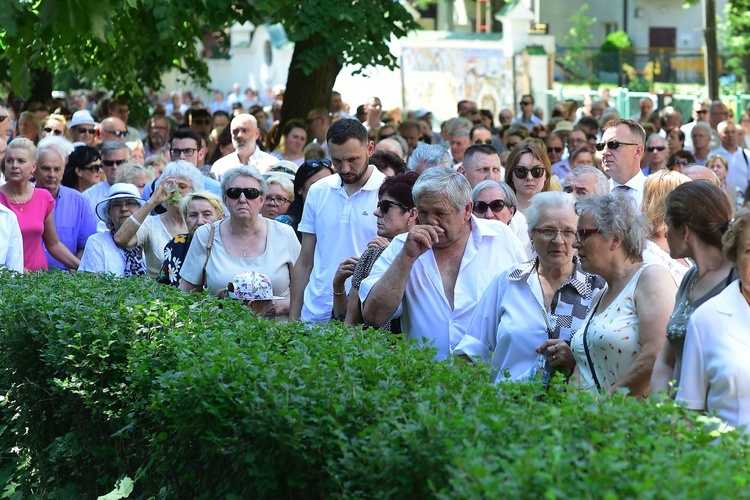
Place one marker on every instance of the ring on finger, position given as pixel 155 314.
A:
pixel 554 357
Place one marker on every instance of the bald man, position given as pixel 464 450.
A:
pixel 245 133
pixel 112 129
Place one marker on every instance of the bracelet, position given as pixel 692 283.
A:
pixel 339 294
pixel 134 220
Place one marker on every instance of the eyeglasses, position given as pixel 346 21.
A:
pixel 116 133
pixel 82 130
pixel 176 152
pixel 549 233
pixel 702 111
pixel 3 118
pixel 112 163
pixel 317 163
pixel 480 207
pixel 119 205
pixel 476 122
pixel 386 136
pixel 278 201
pixel 526 103
pixel 583 234
pixel 95 167
pixel 613 145
pixel 683 163
pixel 555 150
pixel 250 193
pixel 522 172
pixel 486 141
pixel 385 205
pixel 52 131
pixel 655 148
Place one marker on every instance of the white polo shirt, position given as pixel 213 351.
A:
pixel 425 312
pixel 343 226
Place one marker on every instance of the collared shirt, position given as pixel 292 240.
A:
pixel 634 187
pixel 533 120
pixel 739 165
pixel 509 321
pixel 11 244
pixel 425 311
pixel 561 169
pixel 74 222
pixel 260 160
pixel 343 226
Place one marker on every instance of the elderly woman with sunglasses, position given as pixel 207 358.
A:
pixel 246 241
pixel 495 200
pixel 153 232
pixel 617 345
pixel 534 307
pixel 83 169
pixel 528 171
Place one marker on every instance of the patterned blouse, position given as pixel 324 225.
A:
pixel 174 255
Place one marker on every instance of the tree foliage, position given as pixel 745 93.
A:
pixel 736 36
pixel 577 40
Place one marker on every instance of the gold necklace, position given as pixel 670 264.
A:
pixel 16 202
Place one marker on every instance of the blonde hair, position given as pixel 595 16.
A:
pixel 131 171
pixel 656 189
pixel 214 200
pixel 285 181
pixel 57 118
pixel 733 237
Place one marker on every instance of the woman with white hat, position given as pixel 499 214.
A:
pixel 102 255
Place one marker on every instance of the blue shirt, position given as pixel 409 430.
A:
pixel 74 221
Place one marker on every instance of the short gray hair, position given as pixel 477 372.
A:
pixel 616 214
pixel 185 170
pixel 602 183
pixel 446 181
pixel 542 203
pixel 702 125
pixel 113 146
pixel 508 195
pixel 243 171
pixel 432 155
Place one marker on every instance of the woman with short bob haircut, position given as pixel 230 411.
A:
pixel 528 171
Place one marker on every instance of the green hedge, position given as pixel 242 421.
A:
pixel 105 379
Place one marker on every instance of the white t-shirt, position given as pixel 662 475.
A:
pixel 102 256
pixel 153 237
pixel 282 250
pixel 343 226
pixel 260 160
pixel 11 244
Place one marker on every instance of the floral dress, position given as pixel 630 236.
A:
pixel 174 255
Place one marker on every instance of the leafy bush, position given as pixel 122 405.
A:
pixel 105 378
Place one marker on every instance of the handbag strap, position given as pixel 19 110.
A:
pixel 586 344
pixel 209 245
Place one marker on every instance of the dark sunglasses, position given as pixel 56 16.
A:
pixel 613 145
pixel 555 150
pixel 52 131
pixel 385 205
pixel 522 172
pixel 250 193
pixel 526 103
pixel 316 163
pixel 116 133
pixel 386 136
pixel 684 163
pixel 486 141
pixel 96 167
pixel 480 207
pixel 82 130
pixel 702 111
pixel 655 148
pixel 111 163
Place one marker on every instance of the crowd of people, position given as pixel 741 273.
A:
pixel 613 250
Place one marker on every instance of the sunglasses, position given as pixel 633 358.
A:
pixel 250 193
pixel 526 103
pixel 82 130
pixel 522 172
pixel 480 207
pixel 702 112
pixel 613 145
pixel 116 133
pixel 52 131
pixel 176 152
pixel 112 163
pixel 385 205
pixel 486 141
pixel 386 136
pixel 555 150
pixel 96 167
pixel 315 163
pixel 583 234
pixel 655 148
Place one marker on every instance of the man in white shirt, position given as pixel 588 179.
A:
pixel 737 158
pixel 245 133
pixel 433 276
pixel 337 221
pixel 699 114
pixel 622 147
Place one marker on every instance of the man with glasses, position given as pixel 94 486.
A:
pixel 245 133
pixel 657 154
pixel 119 108
pixel 527 118
pixel 433 276
pixel 199 120
pixel 115 154
pixel 112 129
pixel 82 127
pixel 337 221
pixel 622 148
pixel 156 134
pixel 576 139
pixel 481 163
pixel 699 114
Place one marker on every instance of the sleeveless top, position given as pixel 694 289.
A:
pixel 612 338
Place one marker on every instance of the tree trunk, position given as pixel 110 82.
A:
pixel 42 86
pixel 305 92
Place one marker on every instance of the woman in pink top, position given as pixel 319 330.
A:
pixel 33 207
